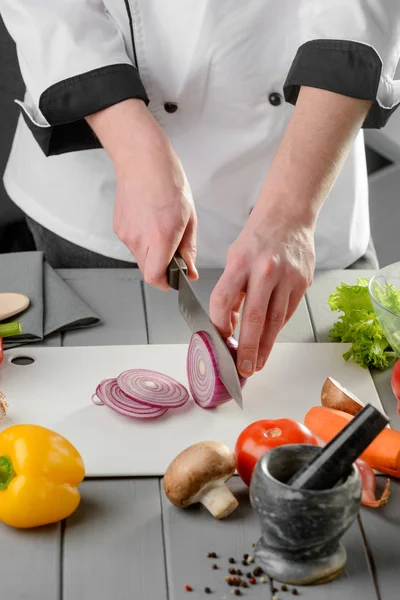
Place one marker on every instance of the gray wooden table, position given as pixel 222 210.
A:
pixel 126 542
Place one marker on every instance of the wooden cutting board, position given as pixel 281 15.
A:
pixel 55 391
pixel 12 304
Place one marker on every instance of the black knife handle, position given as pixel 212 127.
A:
pixel 176 265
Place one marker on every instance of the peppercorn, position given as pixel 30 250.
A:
pixel 212 555
pixel 188 588
pixel 207 590
pixel 284 588
pixel 258 571
pixel 244 584
pixel 263 580
pixel 245 556
pixel 275 597
pixel 239 572
pixel 232 571
pixel 250 559
pixel 244 563
pixel 214 566
pixel 232 561
pixel 253 545
pixel 248 575
pixel 227 578
pixel 275 590
pixel 252 581
pixel 238 593
pixel 295 592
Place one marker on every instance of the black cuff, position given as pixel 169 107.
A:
pixel 349 68
pixel 66 104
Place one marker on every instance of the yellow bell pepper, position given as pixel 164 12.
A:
pixel 39 474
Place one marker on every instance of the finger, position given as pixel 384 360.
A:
pixel 294 301
pixel 225 300
pixel 187 247
pixel 258 294
pixel 274 321
pixel 235 313
pixel 158 258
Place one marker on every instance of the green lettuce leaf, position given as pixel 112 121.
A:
pixel 359 326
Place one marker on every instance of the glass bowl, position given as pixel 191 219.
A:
pixel 382 290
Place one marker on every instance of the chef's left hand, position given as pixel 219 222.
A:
pixel 272 262
pixel 269 267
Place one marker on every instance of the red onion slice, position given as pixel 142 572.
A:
pixel 152 388
pixel 109 394
pixel 206 387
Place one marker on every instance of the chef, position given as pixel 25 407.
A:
pixel 231 131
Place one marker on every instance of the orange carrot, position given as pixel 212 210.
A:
pixel 383 454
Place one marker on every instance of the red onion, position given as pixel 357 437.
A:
pixel 152 388
pixel 369 486
pixel 206 387
pixel 109 394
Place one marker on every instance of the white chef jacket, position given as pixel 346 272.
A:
pixel 220 77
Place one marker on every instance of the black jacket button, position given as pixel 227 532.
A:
pixel 170 107
pixel 275 99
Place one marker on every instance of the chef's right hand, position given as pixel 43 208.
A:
pixel 154 213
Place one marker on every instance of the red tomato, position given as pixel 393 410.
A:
pixel 396 383
pixel 261 436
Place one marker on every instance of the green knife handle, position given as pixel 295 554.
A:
pixel 176 265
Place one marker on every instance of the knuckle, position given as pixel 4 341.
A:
pixel 152 278
pixel 288 270
pixel 270 266
pixel 189 249
pixel 303 282
pixel 220 298
pixel 249 348
pixel 276 319
pixel 236 261
pixel 254 317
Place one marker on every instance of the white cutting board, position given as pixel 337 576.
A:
pixel 55 391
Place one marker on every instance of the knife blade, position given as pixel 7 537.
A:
pixel 198 320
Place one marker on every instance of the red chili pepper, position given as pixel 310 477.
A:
pixel 1 350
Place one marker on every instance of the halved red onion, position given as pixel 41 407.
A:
pixel 109 394
pixel 206 387
pixel 152 388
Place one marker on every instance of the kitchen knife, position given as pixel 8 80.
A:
pixel 198 320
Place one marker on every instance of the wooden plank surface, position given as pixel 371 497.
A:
pixel 187 563
pixel 30 560
pixel 30 563
pixel 165 323
pixel 381 527
pixel 116 296
pixel 113 544
pixel 382 531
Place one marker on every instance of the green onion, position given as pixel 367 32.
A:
pixel 10 329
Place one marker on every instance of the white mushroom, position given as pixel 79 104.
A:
pixel 198 474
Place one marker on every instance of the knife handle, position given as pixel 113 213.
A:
pixel 176 265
